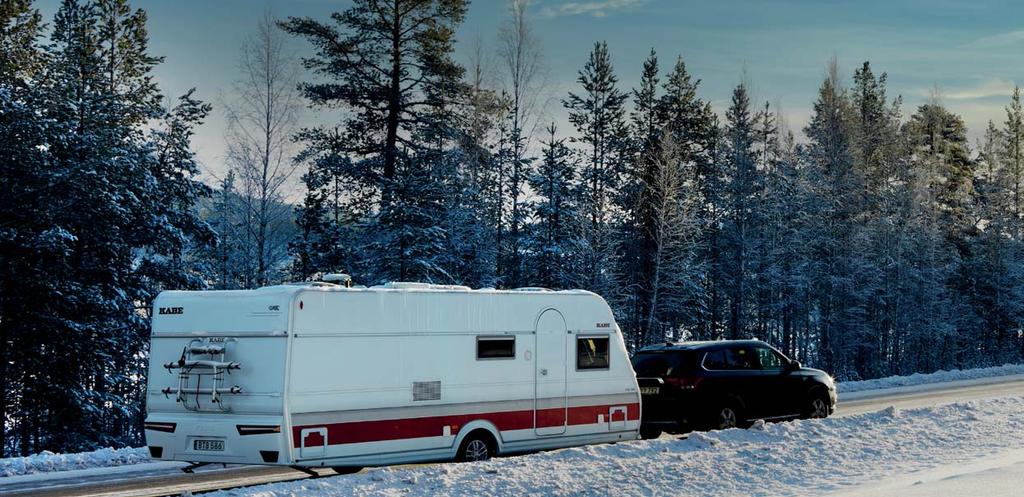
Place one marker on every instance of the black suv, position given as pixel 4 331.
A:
pixel 724 384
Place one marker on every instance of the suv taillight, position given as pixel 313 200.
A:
pixel 684 382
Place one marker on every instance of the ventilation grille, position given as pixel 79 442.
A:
pixel 426 390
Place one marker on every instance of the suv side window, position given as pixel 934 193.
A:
pixel 741 358
pixel 770 359
pixel 715 361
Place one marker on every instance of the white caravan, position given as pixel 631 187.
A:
pixel 318 374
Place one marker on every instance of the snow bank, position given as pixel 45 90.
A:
pixel 797 458
pixel 48 461
pixel 924 379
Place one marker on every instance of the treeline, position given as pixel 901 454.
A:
pixel 882 244
pixel 98 196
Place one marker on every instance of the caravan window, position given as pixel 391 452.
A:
pixel 503 347
pixel 592 352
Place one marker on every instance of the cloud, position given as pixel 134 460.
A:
pixel 998 40
pixel 990 88
pixel 593 8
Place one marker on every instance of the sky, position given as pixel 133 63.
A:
pixel 971 51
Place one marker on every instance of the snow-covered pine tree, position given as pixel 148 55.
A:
pixel 598 114
pixel 226 271
pixel 1013 158
pixel 694 130
pixel 117 221
pixel 477 143
pixel 555 237
pixel 638 230
pixel 741 230
pixel 674 275
pixel 782 299
pixel 377 61
pixel 835 236
pixel 32 244
pixel 880 159
pixel 995 255
pixel 942 175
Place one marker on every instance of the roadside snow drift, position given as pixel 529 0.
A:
pixel 48 461
pixel 796 458
pixel 929 378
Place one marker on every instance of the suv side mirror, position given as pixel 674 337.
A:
pixel 794 365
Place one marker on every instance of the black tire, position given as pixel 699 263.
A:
pixel 649 433
pixel 727 415
pixel 477 446
pixel 817 405
pixel 346 470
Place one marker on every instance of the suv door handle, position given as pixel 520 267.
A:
pixel 544 372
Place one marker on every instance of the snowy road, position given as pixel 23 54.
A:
pixel 162 478
pixel 1000 475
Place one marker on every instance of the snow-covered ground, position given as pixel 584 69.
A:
pixel 48 461
pixel 104 458
pixel 997 475
pixel 917 379
pixel 800 458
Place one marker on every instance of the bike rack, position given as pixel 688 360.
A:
pixel 214 367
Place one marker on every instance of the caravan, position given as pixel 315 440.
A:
pixel 323 375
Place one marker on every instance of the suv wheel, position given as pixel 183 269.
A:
pixel 818 407
pixel 648 433
pixel 725 417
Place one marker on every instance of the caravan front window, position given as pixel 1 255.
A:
pixel 592 352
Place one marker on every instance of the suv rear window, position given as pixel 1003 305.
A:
pixel 660 364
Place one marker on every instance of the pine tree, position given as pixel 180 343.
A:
pixel 599 117
pixel 122 227
pixel 555 239
pixel 693 127
pixel 740 236
pixel 379 61
pixel 639 228
pixel 673 231
pixel 837 198
pixel 1013 154
pixel 31 243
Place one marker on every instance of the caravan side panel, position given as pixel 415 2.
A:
pixel 381 377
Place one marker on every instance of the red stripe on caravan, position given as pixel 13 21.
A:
pixel 433 426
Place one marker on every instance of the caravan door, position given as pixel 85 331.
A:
pixel 549 415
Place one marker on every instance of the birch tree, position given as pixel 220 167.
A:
pixel 262 119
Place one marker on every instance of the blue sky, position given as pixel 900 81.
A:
pixel 972 51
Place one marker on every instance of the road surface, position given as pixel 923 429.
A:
pixel 165 478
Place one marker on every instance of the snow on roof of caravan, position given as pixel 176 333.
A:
pixel 266 308
pixel 416 286
pixel 398 286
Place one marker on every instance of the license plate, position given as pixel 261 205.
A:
pixel 648 390
pixel 209 445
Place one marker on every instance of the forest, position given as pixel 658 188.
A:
pixel 871 240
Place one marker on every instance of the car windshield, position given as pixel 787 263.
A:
pixel 660 363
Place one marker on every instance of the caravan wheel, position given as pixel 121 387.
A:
pixel 478 446
pixel 346 470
